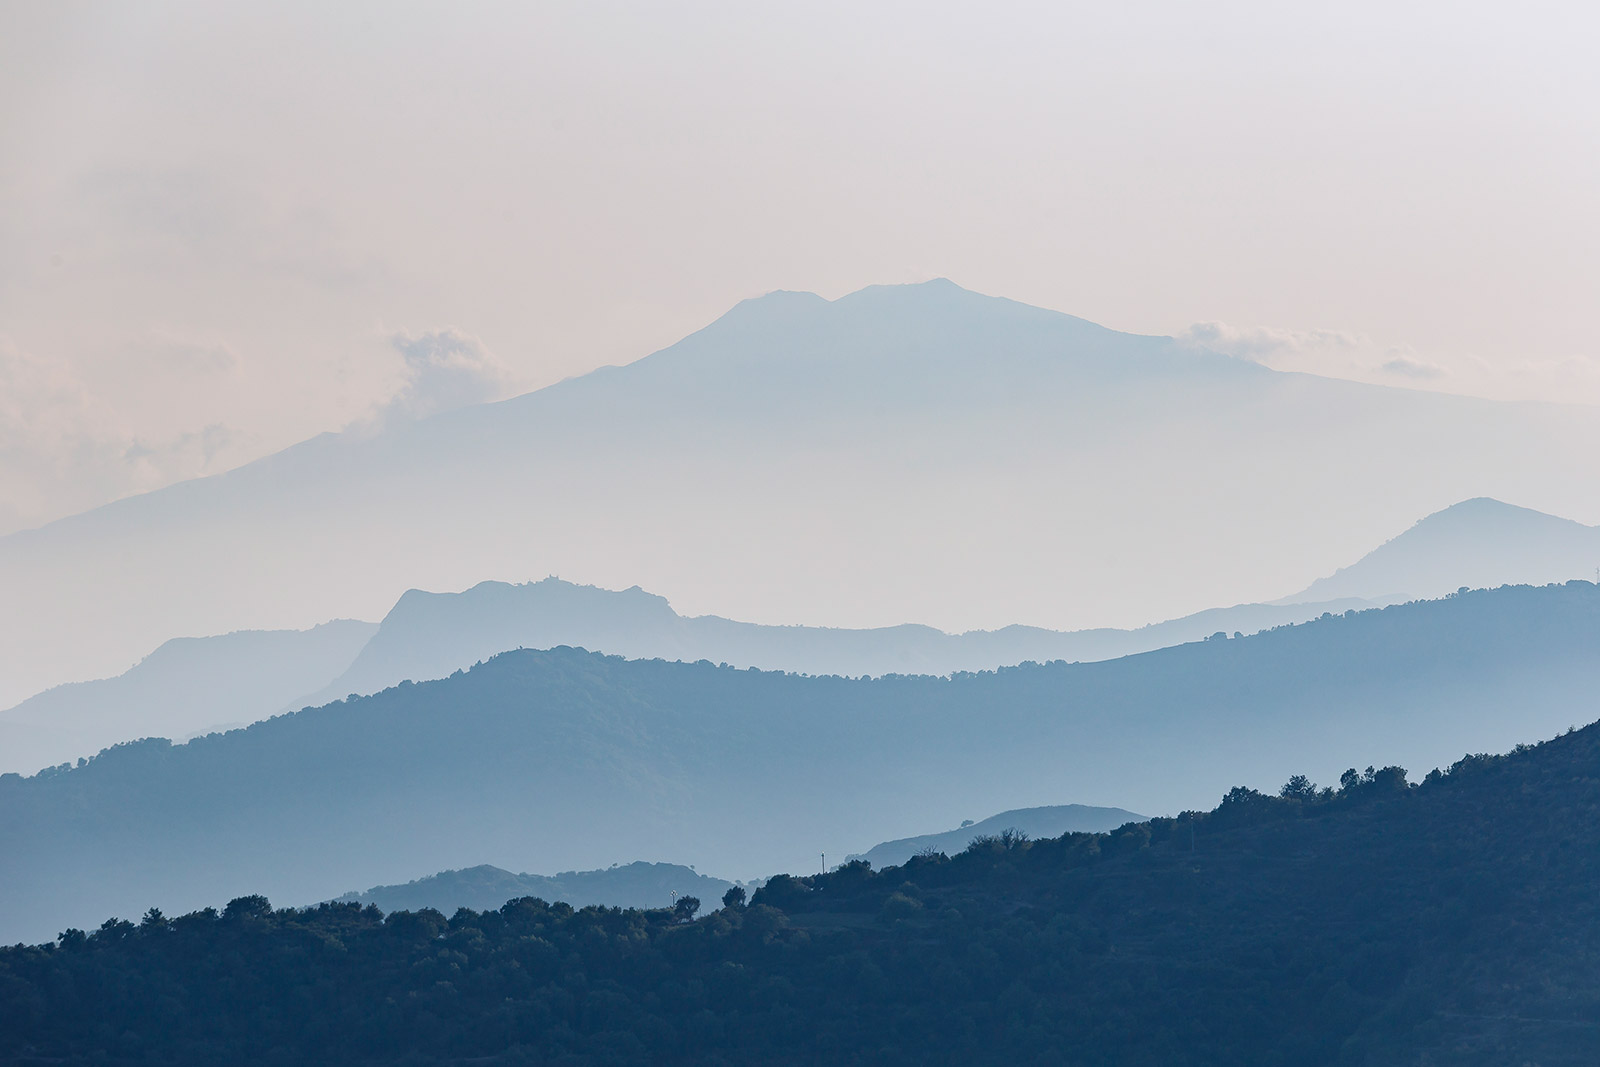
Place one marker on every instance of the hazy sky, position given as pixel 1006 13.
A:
pixel 224 228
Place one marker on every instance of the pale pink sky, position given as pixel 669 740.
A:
pixel 224 228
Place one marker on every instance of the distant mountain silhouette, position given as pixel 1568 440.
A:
pixel 584 760
pixel 631 885
pixel 1035 822
pixel 193 685
pixel 904 452
pixel 186 685
pixel 429 635
pixel 1480 544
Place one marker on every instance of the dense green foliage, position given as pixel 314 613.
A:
pixel 1049 821
pixel 1456 921
pixel 632 885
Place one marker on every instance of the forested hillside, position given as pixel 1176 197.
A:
pixel 629 885
pixel 1373 922
pixel 1052 821
pixel 564 760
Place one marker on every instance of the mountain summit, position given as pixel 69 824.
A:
pixel 1479 543
pixel 905 452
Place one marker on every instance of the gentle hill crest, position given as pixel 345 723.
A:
pixel 187 685
pixel 1051 821
pixel 1480 543
pixel 629 885
pixel 194 685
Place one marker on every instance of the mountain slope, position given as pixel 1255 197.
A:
pixel 1453 921
pixel 429 635
pixel 189 685
pixel 186 685
pixel 580 760
pixel 911 452
pixel 1050 821
pixel 630 885
pixel 1479 544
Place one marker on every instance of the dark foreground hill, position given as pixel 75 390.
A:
pixel 1383 923
pixel 629 885
pixel 566 760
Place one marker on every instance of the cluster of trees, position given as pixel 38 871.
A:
pixel 1379 922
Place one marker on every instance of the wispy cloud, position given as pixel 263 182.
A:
pixel 1271 344
pixel 1354 356
pixel 66 445
pixel 1406 367
pixel 445 369
pixel 64 448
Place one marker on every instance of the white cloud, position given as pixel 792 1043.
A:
pixel 1407 367
pixel 167 405
pixel 64 449
pixel 445 369
pixel 1270 344
pixel 50 428
pixel 1353 356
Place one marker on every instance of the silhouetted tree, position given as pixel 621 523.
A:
pixel 685 908
pixel 1063 951
pixel 782 891
pixel 251 907
pixel 1298 787
pixel 1011 838
pixel 734 897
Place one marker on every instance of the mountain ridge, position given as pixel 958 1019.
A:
pixel 1037 466
pixel 427 635
pixel 1041 822
pixel 1476 543
pixel 187 684
pixel 583 759
pixel 639 884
